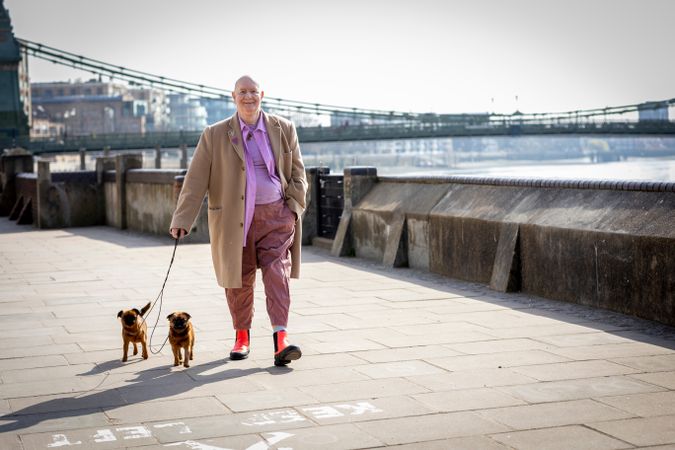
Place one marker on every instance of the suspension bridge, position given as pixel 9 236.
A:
pixel 367 124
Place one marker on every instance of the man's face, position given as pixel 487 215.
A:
pixel 247 96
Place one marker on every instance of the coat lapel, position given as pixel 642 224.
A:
pixel 274 133
pixel 234 134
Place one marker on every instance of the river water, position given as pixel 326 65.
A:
pixel 560 157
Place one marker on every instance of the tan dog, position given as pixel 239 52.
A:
pixel 181 335
pixel 134 330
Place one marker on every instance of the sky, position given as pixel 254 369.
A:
pixel 445 56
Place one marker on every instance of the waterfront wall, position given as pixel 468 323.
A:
pixel 143 200
pixel 604 244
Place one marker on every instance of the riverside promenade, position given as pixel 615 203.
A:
pixel 391 358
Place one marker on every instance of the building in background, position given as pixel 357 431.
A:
pixel 15 104
pixel 43 127
pixel 154 104
pixel 186 113
pixel 90 107
pixel 653 112
pixel 218 109
pixel 97 107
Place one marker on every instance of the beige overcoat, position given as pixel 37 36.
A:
pixel 218 168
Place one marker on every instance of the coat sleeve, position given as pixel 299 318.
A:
pixel 195 185
pixel 297 187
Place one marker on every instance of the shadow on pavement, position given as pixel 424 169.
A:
pixel 151 384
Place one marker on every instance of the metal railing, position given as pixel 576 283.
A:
pixel 349 133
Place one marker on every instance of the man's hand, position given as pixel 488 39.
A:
pixel 177 233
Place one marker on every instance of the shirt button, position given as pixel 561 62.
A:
pixel 242 197
pixel 241 224
pixel 242 167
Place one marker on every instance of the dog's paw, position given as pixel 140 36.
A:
pixel 124 359
pixel 176 363
pixel 145 356
pixel 186 365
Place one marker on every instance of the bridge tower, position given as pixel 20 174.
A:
pixel 15 107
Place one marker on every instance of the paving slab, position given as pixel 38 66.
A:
pixel 405 353
pixel 663 379
pixel 574 369
pixel 641 431
pixel 466 399
pixel 563 438
pixel 471 378
pixel 363 389
pixel 645 405
pixel 391 358
pixel 554 414
pixel 555 391
pixel 463 443
pixel 430 427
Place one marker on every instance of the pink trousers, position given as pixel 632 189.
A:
pixel 267 246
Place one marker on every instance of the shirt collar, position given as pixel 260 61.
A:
pixel 260 125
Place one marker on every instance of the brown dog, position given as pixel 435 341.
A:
pixel 181 335
pixel 134 330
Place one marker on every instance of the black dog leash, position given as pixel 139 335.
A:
pixel 160 297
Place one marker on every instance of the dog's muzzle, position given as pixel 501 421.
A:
pixel 129 320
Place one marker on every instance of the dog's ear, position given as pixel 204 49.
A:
pixel 170 316
pixel 145 309
pixel 188 316
pixel 136 311
pixel 119 314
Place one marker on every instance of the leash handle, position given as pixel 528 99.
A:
pixel 160 298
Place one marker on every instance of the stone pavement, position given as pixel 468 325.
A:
pixel 391 358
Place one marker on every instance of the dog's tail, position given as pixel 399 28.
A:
pixel 145 309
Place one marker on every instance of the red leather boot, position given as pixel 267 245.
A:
pixel 242 343
pixel 284 352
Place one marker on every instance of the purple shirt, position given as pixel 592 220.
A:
pixel 262 182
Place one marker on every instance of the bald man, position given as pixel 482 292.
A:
pixel 251 167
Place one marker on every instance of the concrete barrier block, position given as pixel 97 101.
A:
pixel 358 181
pixel 506 269
pixel 343 243
pixel 417 232
pixel 10 167
pixel 392 220
pixel 123 163
pixel 396 247
pixel 462 247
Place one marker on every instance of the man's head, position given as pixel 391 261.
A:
pixel 247 96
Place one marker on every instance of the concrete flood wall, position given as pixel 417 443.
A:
pixel 112 210
pixel 149 197
pixel 118 193
pixel 601 244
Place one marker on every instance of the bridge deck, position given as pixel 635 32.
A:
pixel 390 357
pixel 169 139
